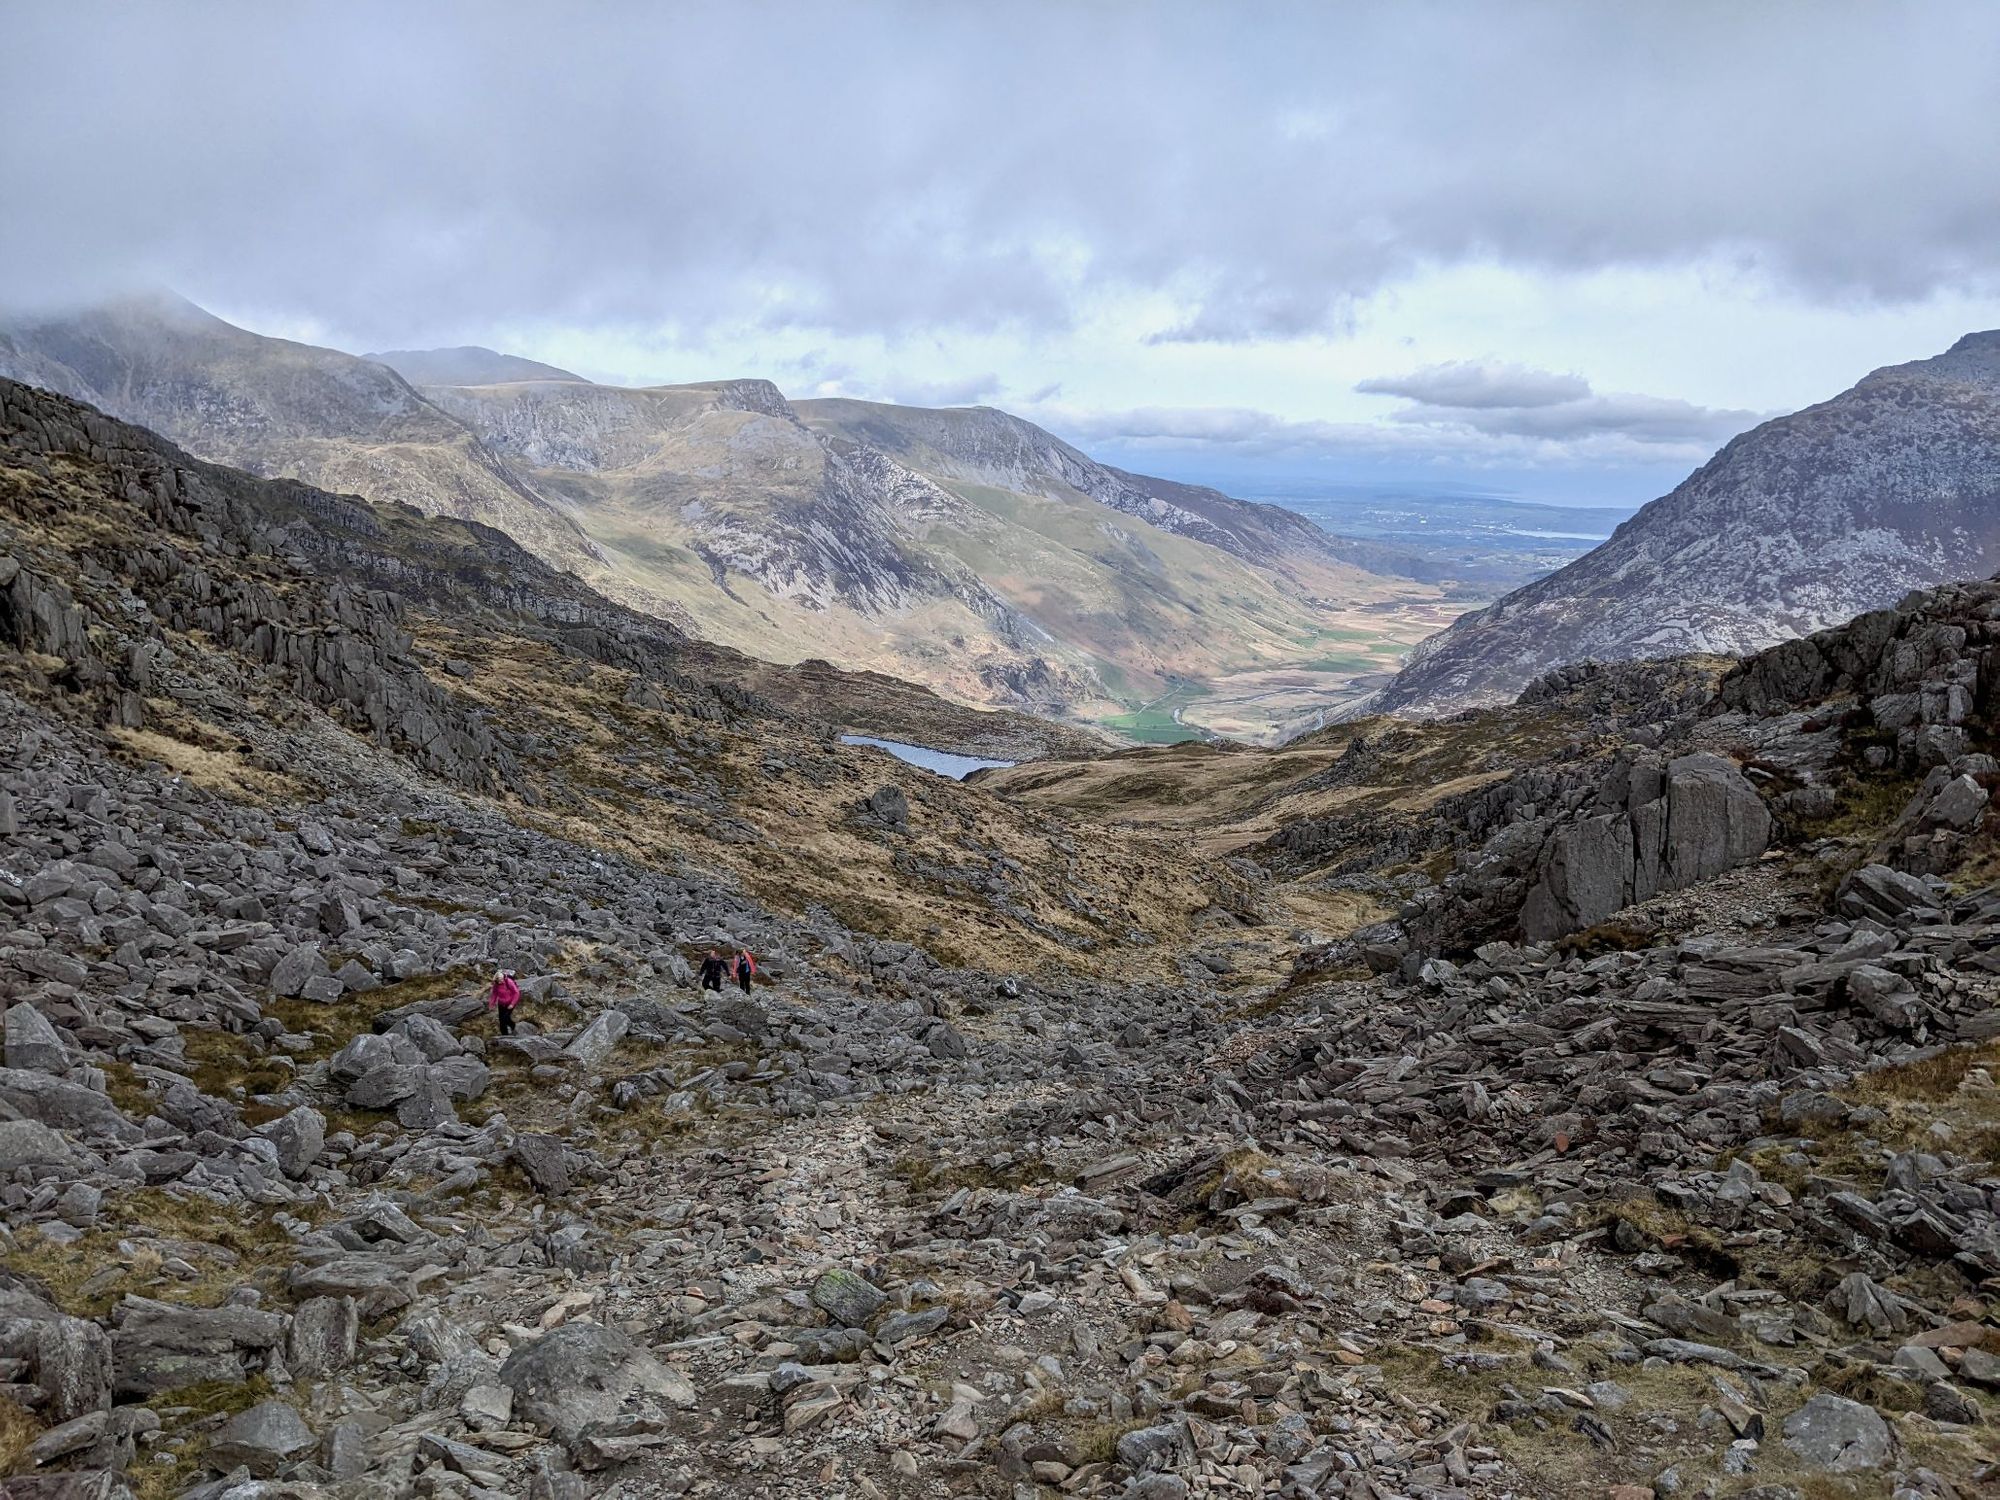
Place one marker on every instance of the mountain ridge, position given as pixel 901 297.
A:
pixel 1013 570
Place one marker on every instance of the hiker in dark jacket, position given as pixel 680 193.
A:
pixel 712 969
pixel 746 969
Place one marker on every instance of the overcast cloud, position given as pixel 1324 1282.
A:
pixel 1543 407
pixel 1209 207
pixel 1469 383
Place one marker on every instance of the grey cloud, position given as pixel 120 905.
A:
pixel 409 174
pixel 1546 414
pixel 1642 419
pixel 1471 383
pixel 1606 430
pixel 1513 401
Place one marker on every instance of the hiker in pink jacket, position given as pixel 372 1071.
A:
pixel 502 999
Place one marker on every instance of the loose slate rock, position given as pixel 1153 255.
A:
pixel 544 1160
pixel 847 1298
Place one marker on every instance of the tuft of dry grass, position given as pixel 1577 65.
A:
pixel 193 1407
pixel 17 1430
pixel 206 756
pixel 1614 936
pixel 923 1174
pixel 1932 1079
pixel 1672 1230
pixel 1097 1443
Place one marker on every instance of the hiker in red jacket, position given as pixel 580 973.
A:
pixel 502 999
pixel 746 969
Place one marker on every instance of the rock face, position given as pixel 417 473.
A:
pixel 1663 828
pixel 1795 526
pixel 1566 850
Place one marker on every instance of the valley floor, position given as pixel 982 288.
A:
pixel 1353 656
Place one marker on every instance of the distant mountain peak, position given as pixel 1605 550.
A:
pixel 1797 525
pixel 467 364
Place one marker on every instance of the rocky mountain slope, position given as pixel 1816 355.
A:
pixel 1794 526
pixel 722 508
pixel 982 446
pixel 1183 1121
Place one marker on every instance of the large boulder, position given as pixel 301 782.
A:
pixel 324 1337
pixel 29 1143
pixel 1715 821
pixel 385 1085
pixel 298 969
pixel 376 1283
pixel 300 1136
pixel 264 1439
pixel 187 1107
pixel 847 1298
pixel 1833 1433
pixel 1654 828
pixel 158 1346
pixel 73 1368
pixel 32 1043
pixel 544 1159
pixel 584 1375
pixel 430 1036
pixel 369 1051
pixel 1586 876
pixel 594 1043
pixel 57 1102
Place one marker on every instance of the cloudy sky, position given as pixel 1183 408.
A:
pixel 1561 249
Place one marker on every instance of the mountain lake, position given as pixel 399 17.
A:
pixel 957 767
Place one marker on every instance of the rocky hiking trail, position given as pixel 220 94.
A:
pixel 1194 1255
pixel 1592 1097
